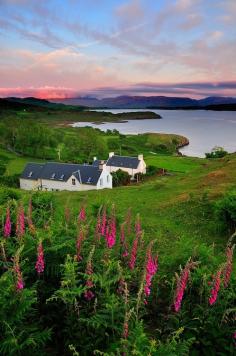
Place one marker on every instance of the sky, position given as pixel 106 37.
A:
pixel 103 48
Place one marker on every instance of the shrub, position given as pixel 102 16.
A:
pixel 217 152
pixel 8 194
pixel 152 170
pixel 11 181
pixel 226 210
pixel 120 178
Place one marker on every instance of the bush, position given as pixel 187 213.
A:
pixel 152 170
pixel 11 181
pixel 8 194
pixel 120 178
pixel 217 152
pixel 226 210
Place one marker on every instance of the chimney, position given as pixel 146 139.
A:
pixel 140 157
pixel 111 154
pixel 101 166
pixel 94 159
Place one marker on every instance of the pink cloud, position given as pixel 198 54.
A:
pixel 41 92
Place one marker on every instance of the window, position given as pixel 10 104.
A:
pixel 73 181
pixel 62 176
pixel 30 174
pixel 108 179
pixel 53 176
pixel 101 182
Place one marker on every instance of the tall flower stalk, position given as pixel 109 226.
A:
pixel 20 222
pixel 123 242
pixel 40 264
pixel 181 284
pixel 88 294
pixel 79 242
pixel 151 270
pixel 17 271
pixel 104 221
pixel 228 266
pixel 29 219
pixel 82 214
pixel 7 225
pixel 110 235
pixel 98 226
pixel 134 249
pixel 216 287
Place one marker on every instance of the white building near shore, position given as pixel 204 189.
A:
pixel 131 165
pixel 62 176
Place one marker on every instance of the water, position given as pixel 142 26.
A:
pixel 204 129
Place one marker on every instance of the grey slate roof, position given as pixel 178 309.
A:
pixel 123 161
pixel 86 174
pixel 98 161
pixel 32 171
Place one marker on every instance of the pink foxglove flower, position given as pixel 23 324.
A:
pixel 7 225
pixel 216 287
pixel 182 281
pixel 229 266
pixel 82 214
pixel 39 266
pixel 151 269
pixel 20 223
pixel 110 237
pixel 133 255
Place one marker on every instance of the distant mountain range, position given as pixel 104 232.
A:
pixel 147 102
pixel 120 102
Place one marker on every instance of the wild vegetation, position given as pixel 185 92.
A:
pixel 94 284
pixel 95 272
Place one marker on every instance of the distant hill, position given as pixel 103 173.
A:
pixel 35 104
pixel 150 102
pixel 120 102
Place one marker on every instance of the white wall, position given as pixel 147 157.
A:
pixel 29 184
pixel 105 180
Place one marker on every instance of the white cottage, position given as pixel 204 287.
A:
pixel 131 165
pixel 62 176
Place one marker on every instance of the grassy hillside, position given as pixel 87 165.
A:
pixel 177 211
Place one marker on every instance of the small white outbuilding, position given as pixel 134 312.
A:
pixel 131 165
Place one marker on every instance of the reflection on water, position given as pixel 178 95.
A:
pixel 204 129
